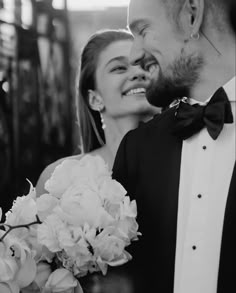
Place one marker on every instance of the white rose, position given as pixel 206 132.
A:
pixel 112 190
pixel 61 178
pixel 45 205
pixel 95 166
pixel 81 210
pixel 54 234
pixel 110 249
pixel 113 194
pixel 84 172
pixel 88 174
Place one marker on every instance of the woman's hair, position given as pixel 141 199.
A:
pixel 91 132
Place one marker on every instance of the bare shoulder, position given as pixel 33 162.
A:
pixel 47 172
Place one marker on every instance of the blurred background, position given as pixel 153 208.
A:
pixel 40 45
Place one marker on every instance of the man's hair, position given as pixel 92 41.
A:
pixel 219 9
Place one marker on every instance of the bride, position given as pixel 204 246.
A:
pixel 110 97
pixel 111 101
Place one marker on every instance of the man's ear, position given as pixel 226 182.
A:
pixel 95 101
pixel 191 17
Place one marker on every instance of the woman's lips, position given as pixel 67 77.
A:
pixel 135 91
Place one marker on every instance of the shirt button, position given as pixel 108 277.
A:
pixel 199 196
pixel 204 147
pixel 194 247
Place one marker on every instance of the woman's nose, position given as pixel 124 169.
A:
pixel 138 73
pixel 136 53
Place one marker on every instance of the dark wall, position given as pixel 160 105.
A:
pixel 35 99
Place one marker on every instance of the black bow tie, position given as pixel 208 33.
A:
pixel 191 119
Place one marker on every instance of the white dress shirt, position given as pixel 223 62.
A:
pixel 206 171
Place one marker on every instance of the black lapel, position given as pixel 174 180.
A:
pixel 227 269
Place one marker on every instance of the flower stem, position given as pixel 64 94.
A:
pixel 18 226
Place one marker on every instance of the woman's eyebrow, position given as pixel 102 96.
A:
pixel 118 58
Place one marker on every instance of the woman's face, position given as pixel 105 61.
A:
pixel 121 86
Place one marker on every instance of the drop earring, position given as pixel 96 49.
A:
pixel 100 109
pixel 103 123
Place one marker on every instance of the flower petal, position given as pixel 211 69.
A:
pixel 9 288
pixel 61 280
pixel 26 273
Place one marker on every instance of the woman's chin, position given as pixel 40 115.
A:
pixel 145 108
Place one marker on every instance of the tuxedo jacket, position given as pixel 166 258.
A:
pixel 148 166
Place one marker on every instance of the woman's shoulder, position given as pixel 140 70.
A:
pixel 47 173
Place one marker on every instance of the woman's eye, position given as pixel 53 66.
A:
pixel 119 69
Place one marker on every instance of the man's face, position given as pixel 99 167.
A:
pixel 163 50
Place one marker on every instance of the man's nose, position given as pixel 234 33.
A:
pixel 137 52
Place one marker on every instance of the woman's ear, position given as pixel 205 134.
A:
pixel 95 101
pixel 191 17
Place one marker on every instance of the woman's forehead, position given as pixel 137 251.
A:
pixel 117 50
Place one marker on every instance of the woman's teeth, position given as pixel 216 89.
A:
pixel 136 91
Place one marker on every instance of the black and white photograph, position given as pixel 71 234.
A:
pixel 117 146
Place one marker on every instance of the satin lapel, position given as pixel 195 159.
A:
pixel 227 269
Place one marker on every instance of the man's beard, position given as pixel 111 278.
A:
pixel 184 74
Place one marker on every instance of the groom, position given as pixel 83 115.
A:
pixel 180 167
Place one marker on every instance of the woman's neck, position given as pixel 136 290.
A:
pixel 114 132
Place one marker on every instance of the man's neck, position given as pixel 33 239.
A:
pixel 217 70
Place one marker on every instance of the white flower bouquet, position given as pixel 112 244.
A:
pixel 82 225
